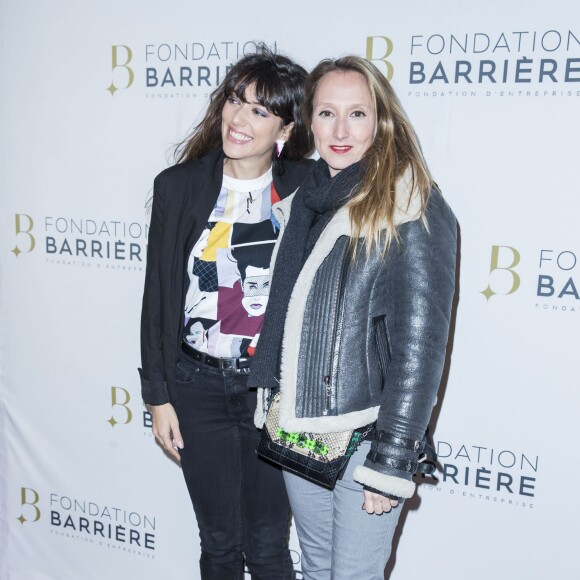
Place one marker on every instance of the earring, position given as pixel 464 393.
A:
pixel 279 146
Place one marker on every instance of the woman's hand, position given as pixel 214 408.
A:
pixel 166 429
pixel 376 503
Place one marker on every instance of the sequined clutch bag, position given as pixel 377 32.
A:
pixel 318 457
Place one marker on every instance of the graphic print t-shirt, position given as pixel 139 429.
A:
pixel 228 269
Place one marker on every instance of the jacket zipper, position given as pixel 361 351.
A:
pixel 383 345
pixel 330 378
pixel 328 389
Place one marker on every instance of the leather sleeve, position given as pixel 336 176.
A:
pixel 153 386
pixel 416 288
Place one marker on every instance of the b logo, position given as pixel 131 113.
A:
pixel 24 225
pixel 29 497
pixel 120 397
pixel 506 272
pixel 127 55
pixel 387 46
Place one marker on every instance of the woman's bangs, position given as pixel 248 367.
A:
pixel 267 90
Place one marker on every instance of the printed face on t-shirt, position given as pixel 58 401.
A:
pixel 227 269
pixel 256 288
pixel 197 336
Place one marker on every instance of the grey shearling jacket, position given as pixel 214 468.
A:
pixel 351 323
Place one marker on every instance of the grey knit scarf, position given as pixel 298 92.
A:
pixel 312 208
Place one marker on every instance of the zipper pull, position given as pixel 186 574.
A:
pixel 328 389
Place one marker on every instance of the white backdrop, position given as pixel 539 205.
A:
pixel 94 97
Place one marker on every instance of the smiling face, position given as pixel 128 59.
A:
pixel 343 119
pixel 249 132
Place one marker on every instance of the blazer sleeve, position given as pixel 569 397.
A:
pixel 417 288
pixel 153 385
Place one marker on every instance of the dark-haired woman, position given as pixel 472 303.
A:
pixel 211 238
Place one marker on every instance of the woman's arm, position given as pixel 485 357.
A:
pixel 153 387
pixel 418 289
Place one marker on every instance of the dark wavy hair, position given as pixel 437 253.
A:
pixel 279 85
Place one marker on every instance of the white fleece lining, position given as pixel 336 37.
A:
pixel 407 208
pixel 386 483
pixel 331 424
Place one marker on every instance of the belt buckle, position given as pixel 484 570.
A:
pixel 227 363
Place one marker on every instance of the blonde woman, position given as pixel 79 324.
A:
pixel 364 282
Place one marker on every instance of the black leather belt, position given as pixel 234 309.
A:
pixel 215 362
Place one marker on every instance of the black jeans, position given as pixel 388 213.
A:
pixel 240 501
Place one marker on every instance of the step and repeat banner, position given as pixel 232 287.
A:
pixel 95 97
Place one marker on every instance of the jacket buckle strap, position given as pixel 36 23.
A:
pixel 410 444
pixel 400 464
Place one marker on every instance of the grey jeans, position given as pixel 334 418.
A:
pixel 338 539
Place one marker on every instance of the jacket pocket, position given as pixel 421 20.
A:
pixel 383 346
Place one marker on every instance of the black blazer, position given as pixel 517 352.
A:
pixel 183 198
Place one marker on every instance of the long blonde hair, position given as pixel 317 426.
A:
pixel 394 152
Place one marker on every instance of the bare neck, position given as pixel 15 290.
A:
pixel 246 168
